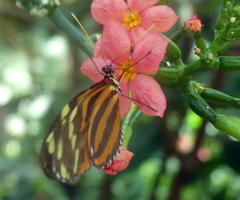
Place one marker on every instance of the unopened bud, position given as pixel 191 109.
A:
pixel 193 24
pixel 197 50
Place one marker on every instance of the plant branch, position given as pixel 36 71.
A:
pixel 64 24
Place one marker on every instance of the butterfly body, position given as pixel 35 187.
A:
pixel 86 133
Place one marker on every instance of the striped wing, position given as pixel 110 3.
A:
pixel 87 132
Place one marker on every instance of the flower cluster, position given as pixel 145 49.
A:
pixel 131 44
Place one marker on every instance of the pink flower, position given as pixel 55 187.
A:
pixel 114 49
pixel 120 163
pixel 193 24
pixel 135 15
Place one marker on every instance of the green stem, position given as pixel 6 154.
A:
pixel 200 42
pixel 173 51
pixel 221 43
pixel 128 122
pixel 169 72
pixel 225 46
pixel 178 35
pixel 222 62
pixel 63 23
pixel 173 73
pixel 189 69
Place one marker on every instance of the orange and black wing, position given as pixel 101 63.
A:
pixel 87 132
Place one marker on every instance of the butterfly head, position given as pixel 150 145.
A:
pixel 108 70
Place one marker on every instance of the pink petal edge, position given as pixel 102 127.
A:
pixel 104 10
pixel 149 52
pixel 163 17
pixel 92 68
pixel 115 43
pixel 137 34
pixel 125 103
pixel 140 5
pixel 147 91
pixel 120 163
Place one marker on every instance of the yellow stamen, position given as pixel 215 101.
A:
pixel 128 70
pixel 131 19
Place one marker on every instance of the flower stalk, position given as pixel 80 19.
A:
pixel 173 51
pixel 128 122
pixel 64 24
pixel 200 42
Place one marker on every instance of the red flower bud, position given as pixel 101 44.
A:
pixel 120 163
pixel 193 24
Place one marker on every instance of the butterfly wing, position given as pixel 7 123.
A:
pixel 67 150
pixel 105 128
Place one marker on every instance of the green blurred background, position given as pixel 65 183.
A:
pixel 179 157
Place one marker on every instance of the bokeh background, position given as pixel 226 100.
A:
pixel 179 157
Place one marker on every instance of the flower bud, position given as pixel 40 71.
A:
pixel 193 24
pixel 173 51
pixel 120 162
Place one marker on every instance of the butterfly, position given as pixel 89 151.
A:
pixel 86 133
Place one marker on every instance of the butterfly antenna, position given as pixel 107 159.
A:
pixel 82 28
pixel 97 67
pixel 134 42
pixel 142 58
pixel 135 100
pixel 88 37
pixel 134 64
pixel 105 62
pixel 86 33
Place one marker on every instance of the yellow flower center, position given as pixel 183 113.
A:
pixel 131 19
pixel 127 70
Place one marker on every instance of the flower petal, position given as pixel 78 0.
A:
pixel 162 16
pixel 103 10
pixel 92 68
pixel 146 90
pixel 137 34
pixel 125 103
pixel 115 43
pixel 149 52
pixel 98 47
pixel 120 163
pixel 140 4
